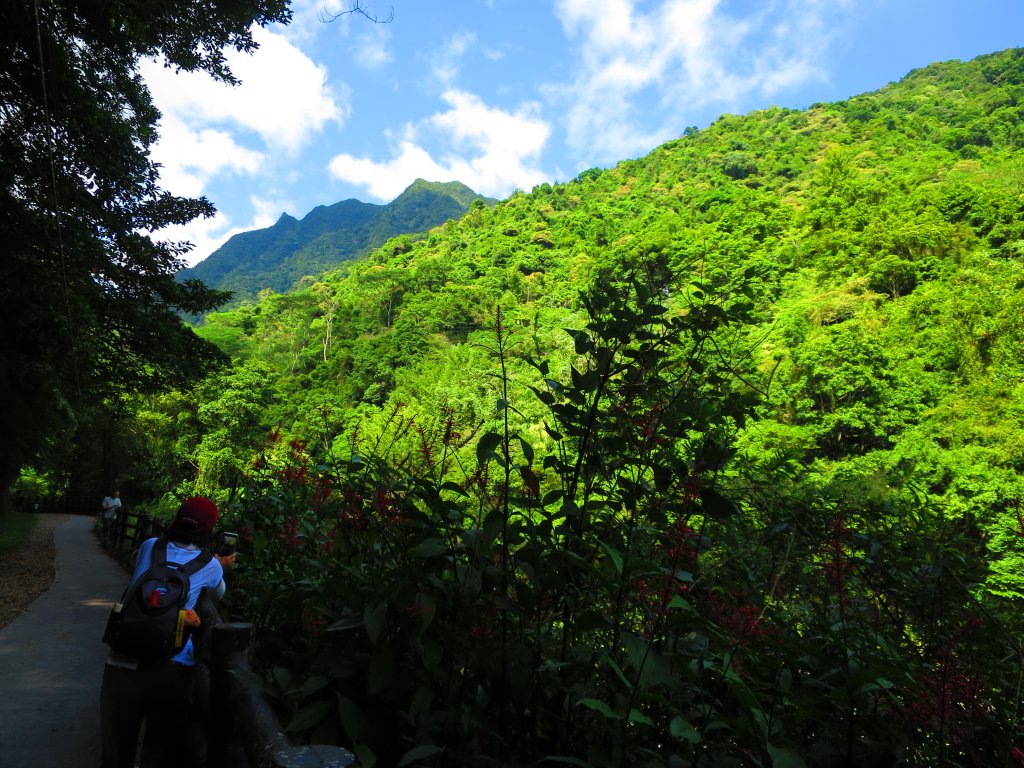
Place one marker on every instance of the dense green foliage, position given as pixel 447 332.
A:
pixel 88 300
pixel 279 256
pixel 709 458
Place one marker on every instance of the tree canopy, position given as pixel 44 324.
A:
pixel 88 301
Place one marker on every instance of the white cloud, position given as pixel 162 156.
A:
pixel 371 49
pixel 210 130
pixel 284 97
pixel 206 236
pixel 267 211
pixel 446 61
pixel 486 148
pixel 679 55
pixel 309 19
pixel 190 158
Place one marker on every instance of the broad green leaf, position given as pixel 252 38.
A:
pixel 313 684
pixel 349 715
pixel 636 716
pixel 454 487
pixel 716 505
pixel 878 684
pixel 737 684
pixel 365 756
pixel 599 706
pixel 373 617
pixel 309 716
pixel 543 395
pixel 614 555
pixel 617 670
pixel 678 602
pixel 282 678
pixel 582 342
pixel 785 758
pixel 551 497
pixel 429 548
pixel 418 753
pixel 350 623
pixel 527 450
pixel 489 441
pixel 567 760
pixel 683 729
pixel 427 609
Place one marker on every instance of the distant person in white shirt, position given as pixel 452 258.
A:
pixel 110 507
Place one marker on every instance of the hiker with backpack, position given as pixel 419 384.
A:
pixel 150 671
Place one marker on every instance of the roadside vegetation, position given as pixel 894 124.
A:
pixel 710 458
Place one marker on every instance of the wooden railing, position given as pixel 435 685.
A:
pixel 242 730
pixel 59 504
pixel 130 528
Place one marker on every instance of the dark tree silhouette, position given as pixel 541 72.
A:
pixel 89 304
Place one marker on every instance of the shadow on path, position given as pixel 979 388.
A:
pixel 51 659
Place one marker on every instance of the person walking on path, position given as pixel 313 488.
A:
pixel 51 659
pixel 157 690
pixel 111 507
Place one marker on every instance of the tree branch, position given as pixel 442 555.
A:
pixel 326 16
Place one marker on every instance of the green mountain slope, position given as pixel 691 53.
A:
pixel 880 240
pixel 760 505
pixel 280 255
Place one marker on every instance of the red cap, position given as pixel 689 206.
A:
pixel 197 514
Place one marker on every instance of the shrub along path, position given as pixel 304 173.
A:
pixel 51 659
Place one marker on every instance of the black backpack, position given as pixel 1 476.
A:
pixel 149 622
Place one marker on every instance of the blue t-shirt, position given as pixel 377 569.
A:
pixel 210 576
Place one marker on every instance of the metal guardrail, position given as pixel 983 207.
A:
pixel 242 729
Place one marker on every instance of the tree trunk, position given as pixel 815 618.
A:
pixel 8 474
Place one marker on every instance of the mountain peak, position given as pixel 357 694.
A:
pixel 278 256
pixel 453 189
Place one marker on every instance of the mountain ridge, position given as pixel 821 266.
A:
pixel 276 257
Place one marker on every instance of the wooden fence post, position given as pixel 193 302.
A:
pixel 143 529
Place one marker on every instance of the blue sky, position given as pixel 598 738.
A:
pixel 506 94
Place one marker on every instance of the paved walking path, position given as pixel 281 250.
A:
pixel 51 659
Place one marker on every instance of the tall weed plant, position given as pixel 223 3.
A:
pixel 611 593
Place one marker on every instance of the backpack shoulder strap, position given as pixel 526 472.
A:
pixel 157 556
pixel 197 562
pixel 159 552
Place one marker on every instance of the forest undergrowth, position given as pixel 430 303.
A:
pixel 627 597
